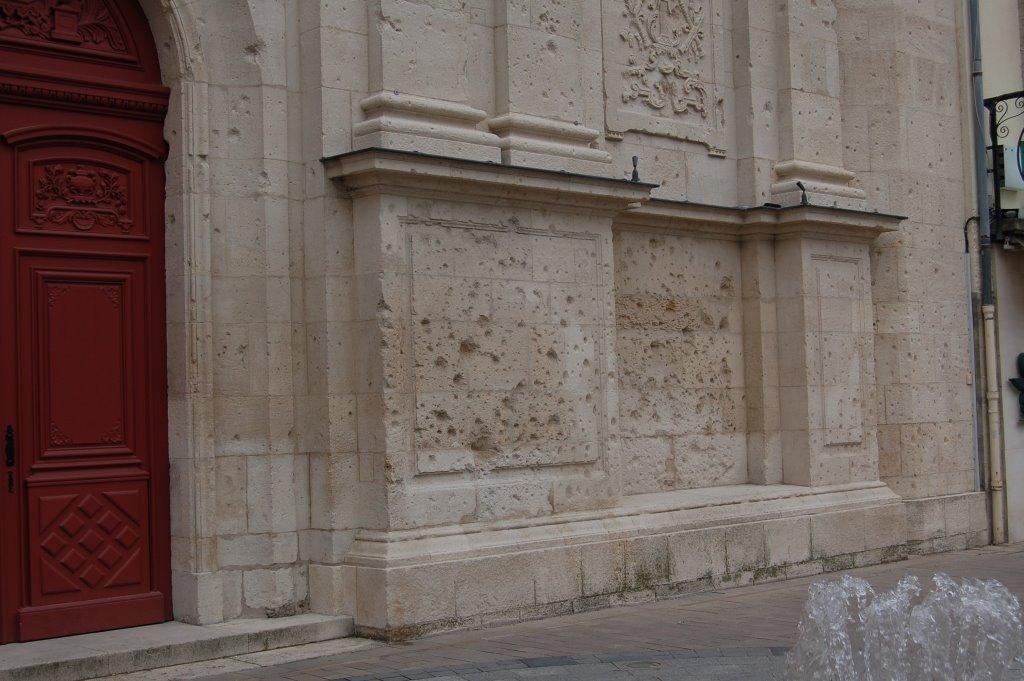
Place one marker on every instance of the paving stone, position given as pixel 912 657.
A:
pixel 549 662
pixel 739 635
pixel 502 664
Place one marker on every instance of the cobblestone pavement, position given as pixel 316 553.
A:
pixel 736 634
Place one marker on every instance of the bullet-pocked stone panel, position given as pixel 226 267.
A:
pixel 841 314
pixel 507 347
pixel 679 347
pixel 507 377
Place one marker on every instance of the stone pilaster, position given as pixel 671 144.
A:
pixel 826 349
pixel 757 96
pixel 810 110
pixel 546 59
pixel 761 361
pixel 423 98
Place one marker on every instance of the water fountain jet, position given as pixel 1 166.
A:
pixel 967 630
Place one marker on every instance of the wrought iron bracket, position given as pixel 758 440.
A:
pixel 1001 110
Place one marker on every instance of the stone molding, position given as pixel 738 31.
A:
pixel 659 72
pixel 372 171
pixel 536 141
pixel 725 222
pixel 638 515
pixel 397 120
pixel 823 183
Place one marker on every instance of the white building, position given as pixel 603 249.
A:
pixel 433 357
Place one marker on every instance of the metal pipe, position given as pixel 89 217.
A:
pixel 988 310
pixel 979 461
pixel 996 489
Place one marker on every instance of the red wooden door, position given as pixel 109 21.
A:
pixel 84 538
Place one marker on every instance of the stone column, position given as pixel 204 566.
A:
pixel 756 84
pixel 547 62
pixel 810 110
pixel 427 63
pixel 238 480
pixel 761 361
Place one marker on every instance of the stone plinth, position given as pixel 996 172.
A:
pixel 410 583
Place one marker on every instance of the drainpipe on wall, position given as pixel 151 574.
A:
pixel 996 488
pixel 981 466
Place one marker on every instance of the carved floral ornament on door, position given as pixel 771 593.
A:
pixel 667 42
pixel 83 196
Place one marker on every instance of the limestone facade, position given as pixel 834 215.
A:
pixel 436 360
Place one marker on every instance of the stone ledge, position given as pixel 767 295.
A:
pixel 376 170
pixel 740 223
pixel 947 523
pixel 637 516
pixel 87 656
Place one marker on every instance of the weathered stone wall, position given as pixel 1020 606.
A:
pixel 679 342
pixel 491 320
pixel 382 365
pixel 345 465
pixel 902 122
pixel 235 354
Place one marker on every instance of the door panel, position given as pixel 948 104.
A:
pixel 83 340
pixel 81 322
pixel 84 519
pixel 81 286
pixel 88 540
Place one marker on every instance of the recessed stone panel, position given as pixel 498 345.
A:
pixel 841 285
pixel 507 346
pixel 679 349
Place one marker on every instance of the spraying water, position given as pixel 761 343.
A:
pixel 969 630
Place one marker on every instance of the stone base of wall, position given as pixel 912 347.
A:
pixel 407 584
pixel 948 523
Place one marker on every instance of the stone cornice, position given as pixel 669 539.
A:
pixel 377 171
pixel 722 222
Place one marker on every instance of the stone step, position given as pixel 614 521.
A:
pixel 75 658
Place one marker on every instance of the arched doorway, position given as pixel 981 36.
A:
pixel 84 529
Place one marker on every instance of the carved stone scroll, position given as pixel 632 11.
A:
pixel 659 70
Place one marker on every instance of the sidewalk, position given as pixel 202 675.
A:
pixel 732 635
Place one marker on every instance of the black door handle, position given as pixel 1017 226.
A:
pixel 9 446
